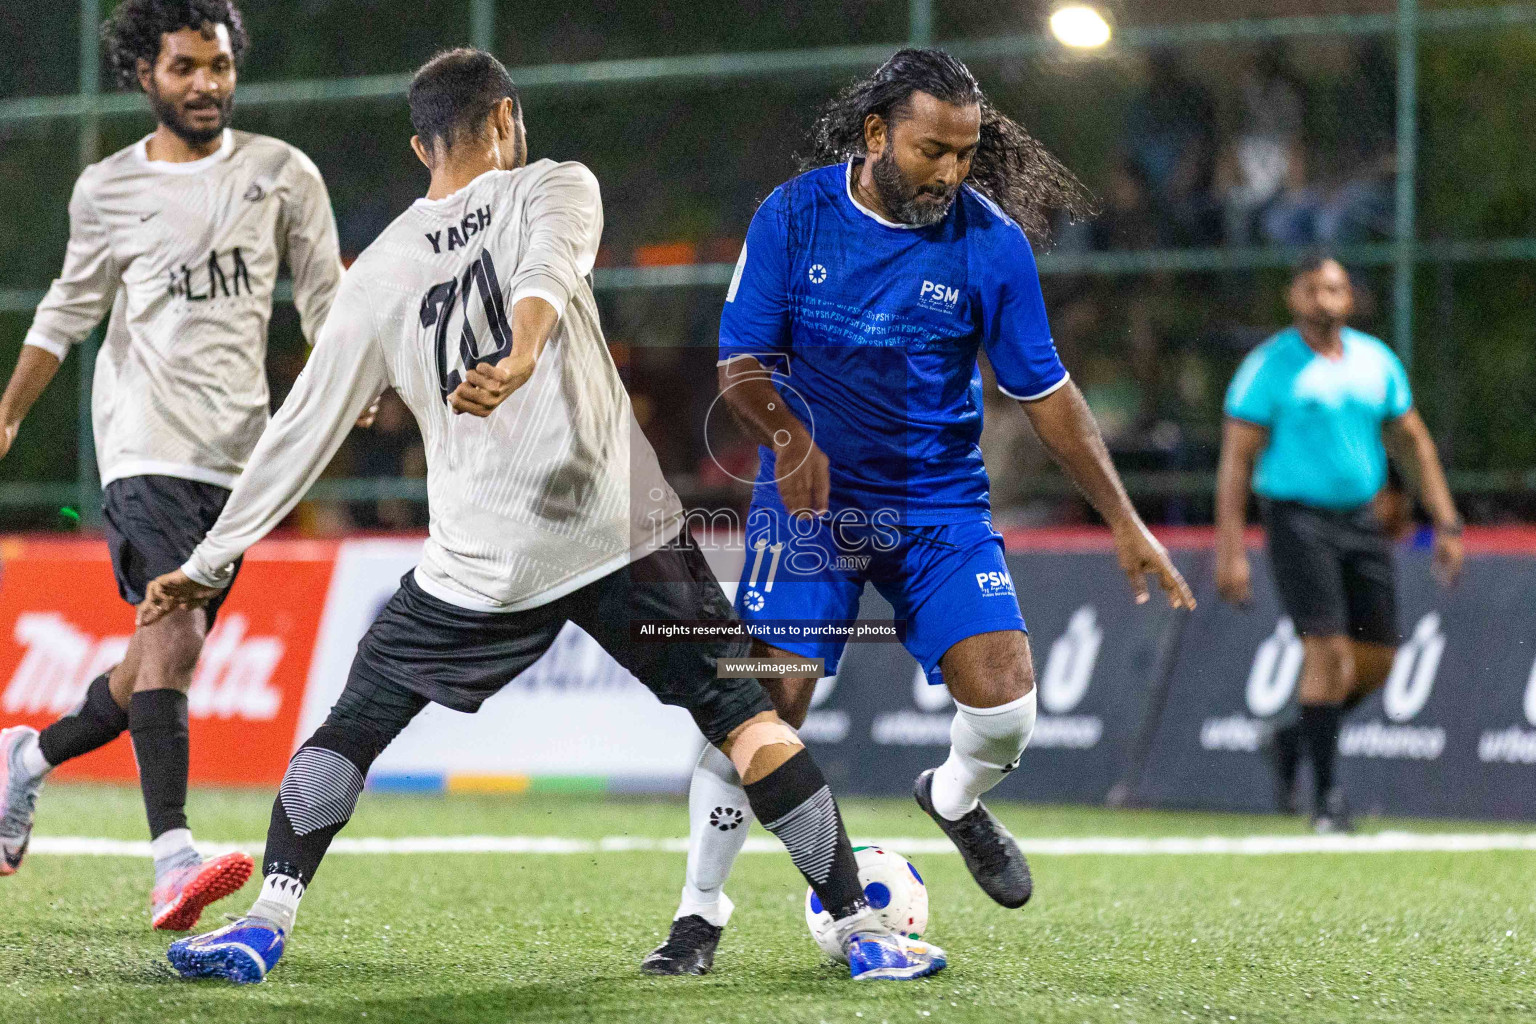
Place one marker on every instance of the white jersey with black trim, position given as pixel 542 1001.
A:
pixel 184 257
pixel 557 487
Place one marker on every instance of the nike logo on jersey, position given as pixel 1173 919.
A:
pixel 459 234
pixel 255 193
pixel 145 216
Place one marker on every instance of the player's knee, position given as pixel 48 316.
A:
pixel 760 745
pixel 1373 663
pixel 164 676
pixel 791 698
pixel 1020 678
pixel 168 652
pixel 990 669
pixel 1343 651
pixel 363 738
pixel 1323 667
pixel 995 736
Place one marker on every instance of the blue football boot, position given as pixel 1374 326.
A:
pixel 884 956
pixel 242 952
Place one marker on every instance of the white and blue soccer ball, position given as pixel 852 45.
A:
pixel 893 888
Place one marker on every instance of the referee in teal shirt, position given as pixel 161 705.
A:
pixel 1316 408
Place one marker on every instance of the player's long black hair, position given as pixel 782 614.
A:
pixel 1011 167
pixel 133 31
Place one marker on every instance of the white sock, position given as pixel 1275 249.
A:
pixel 173 849
pixel 32 759
pixel 866 920
pixel 279 901
pixel 985 744
pixel 719 819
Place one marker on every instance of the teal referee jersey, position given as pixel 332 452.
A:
pixel 1324 417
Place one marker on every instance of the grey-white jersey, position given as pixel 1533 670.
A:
pixel 556 488
pixel 185 258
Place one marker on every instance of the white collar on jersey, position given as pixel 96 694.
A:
pixel 871 214
pixel 438 204
pixel 226 147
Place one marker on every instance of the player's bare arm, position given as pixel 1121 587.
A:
pixel 35 367
pixel 1408 441
pixel 1067 428
pixel 487 385
pixel 802 470
pixel 1241 443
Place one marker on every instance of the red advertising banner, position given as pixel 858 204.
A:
pixel 62 624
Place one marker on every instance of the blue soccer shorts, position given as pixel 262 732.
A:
pixel 945 582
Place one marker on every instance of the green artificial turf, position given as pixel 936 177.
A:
pixel 497 937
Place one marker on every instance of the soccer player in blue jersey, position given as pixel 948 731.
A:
pixel 848 350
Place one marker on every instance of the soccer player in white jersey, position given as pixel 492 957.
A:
pixel 547 506
pixel 179 238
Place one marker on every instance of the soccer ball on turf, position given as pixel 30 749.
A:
pixel 893 888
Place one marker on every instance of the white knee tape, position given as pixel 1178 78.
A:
pixel 994 736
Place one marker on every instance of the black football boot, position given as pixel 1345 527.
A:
pixel 994 859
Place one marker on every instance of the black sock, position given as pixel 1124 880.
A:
pixel 1320 732
pixel 1288 752
pixel 95 723
pixel 158 721
pixel 317 797
pixel 795 804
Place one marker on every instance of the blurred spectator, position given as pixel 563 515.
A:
pixel 1358 205
pixel 1280 190
pixel 362 220
pixel 1127 220
pixel 391 448
pixel 1169 139
pixel 1264 169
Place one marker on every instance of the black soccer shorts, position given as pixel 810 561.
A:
pixel 1334 571
pixel 153 523
pixel 457 657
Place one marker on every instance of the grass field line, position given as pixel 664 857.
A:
pixel 1114 846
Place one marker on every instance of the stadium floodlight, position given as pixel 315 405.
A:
pixel 1080 26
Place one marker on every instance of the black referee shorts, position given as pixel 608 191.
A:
pixel 458 658
pixel 1334 571
pixel 152 525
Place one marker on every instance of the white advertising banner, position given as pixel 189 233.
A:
pixel 575 712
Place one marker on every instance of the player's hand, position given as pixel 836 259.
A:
pixel 1447 558
pixel 485 386
pixel 1234 580
pixel 804 476
pixel 7 437
pixel 369 415
pixel 167 593
pixel 1142 555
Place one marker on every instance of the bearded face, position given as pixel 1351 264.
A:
pixel 909 203
pixel 920 154
pixel 191 85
